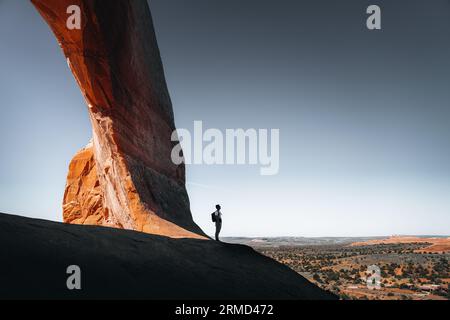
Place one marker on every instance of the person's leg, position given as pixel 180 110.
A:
pixel 218 227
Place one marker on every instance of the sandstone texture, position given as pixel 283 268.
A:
pixel 125 177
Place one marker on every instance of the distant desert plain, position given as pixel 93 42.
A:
pixel 411 267
pixel 433 244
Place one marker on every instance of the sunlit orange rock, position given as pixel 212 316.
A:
pixel 83 197
pixel 125 177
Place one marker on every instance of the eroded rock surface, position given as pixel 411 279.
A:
pixel 125 177
pixel 83 197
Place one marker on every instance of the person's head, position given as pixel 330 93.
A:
pixel 217 206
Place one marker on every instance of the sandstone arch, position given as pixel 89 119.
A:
pixel 124 178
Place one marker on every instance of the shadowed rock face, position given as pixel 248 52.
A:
pixel 119 264
pixel 125 177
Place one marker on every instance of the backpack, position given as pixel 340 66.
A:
pixel 213 217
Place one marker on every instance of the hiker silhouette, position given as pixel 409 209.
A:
pixel 216 217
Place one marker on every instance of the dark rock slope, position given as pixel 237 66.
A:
pixel 127 264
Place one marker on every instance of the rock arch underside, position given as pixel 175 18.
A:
pixel 124 177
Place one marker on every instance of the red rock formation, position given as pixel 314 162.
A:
pixel 83 197
pixel 125 178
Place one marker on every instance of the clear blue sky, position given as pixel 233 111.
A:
pixel 364 117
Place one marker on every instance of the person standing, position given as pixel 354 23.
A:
pixel 217 218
